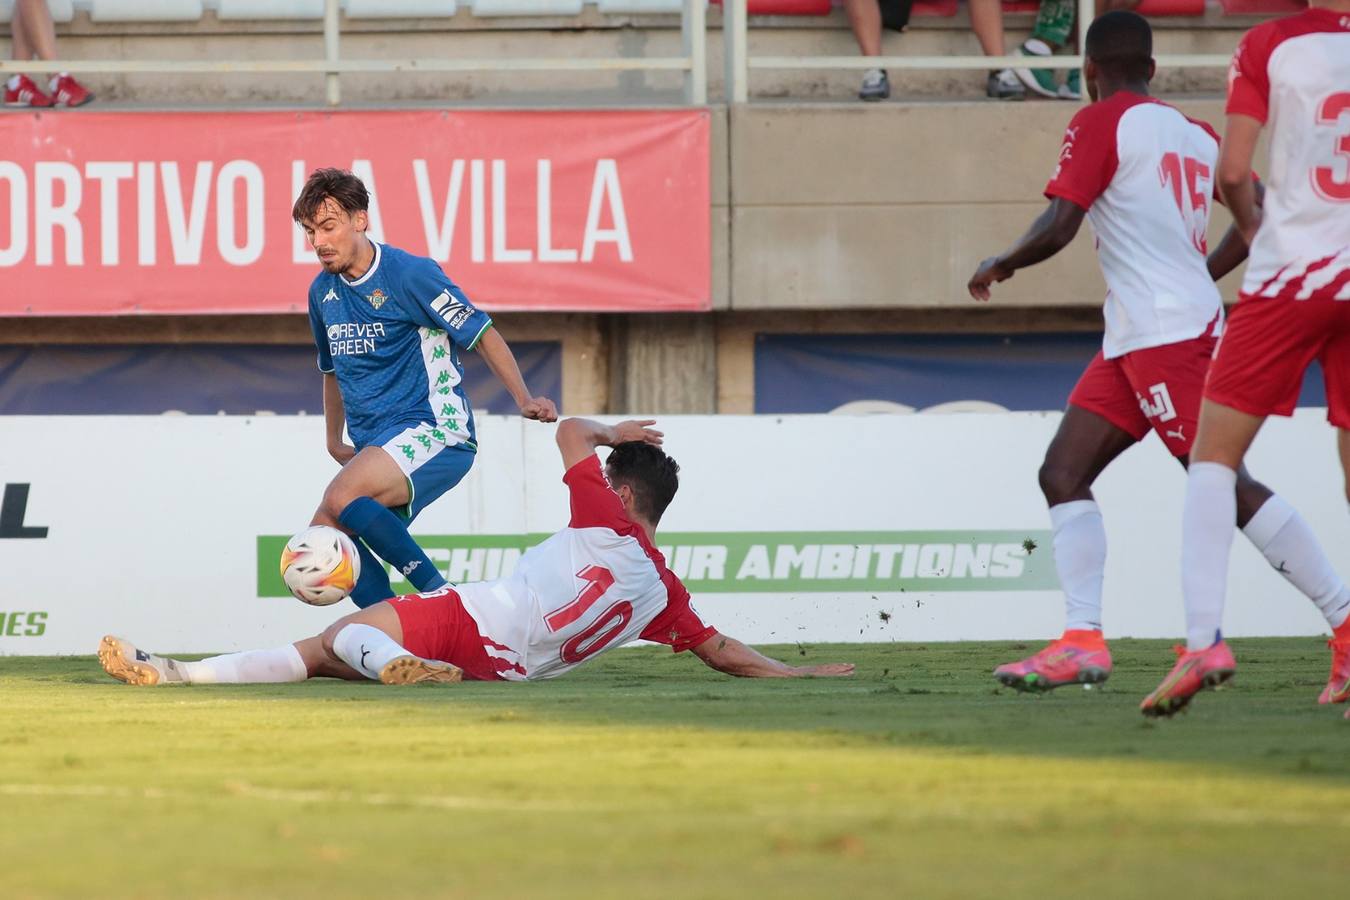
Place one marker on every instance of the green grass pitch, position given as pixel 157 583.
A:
pixel 647 775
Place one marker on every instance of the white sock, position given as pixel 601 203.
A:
pixel 1037 47
pixel 1288 544
pixel 280 664
pixel 1206 541
pixel 1080 560
pixel 13 83
pixel 366 649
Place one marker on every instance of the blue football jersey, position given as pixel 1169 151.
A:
pixel 393 338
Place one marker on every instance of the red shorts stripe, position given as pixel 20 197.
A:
pixel 1269 344
pixel 1156 388
pixel 436 626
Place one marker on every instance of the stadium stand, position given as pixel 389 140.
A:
pixel 526 7
pixel 612 7
pixel 270 9
pixel 145 10
pixel 399 9
pixel 62 10
pixel 1262 7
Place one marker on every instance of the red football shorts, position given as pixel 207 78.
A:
pixel 1267 347
pixel 436 626
pixel 1157 388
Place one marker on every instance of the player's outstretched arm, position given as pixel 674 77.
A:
pixel 499 358
pixel 729 655
pixel 1233 249
pixel 334 418
pixel 578 438
pixel 1052 231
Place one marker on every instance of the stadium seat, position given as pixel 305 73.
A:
pixel 527 7
pixel 1146 7
pixel 62 10
pixel 1171 8
pixel 937 8
pixel 787 7
pixel 270 9
pixel 640 6
pixel 145 10
pixel 399 9
pixel 1262 7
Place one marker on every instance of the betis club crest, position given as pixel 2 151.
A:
pixel 378 298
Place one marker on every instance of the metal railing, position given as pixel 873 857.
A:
pixel 692 63
pixel 739 62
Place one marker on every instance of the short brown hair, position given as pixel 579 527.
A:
pixel 650 474
pixel 345 189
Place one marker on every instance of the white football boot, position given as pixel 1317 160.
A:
pixel 415 670
pixel 125 663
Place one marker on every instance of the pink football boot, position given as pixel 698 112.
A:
pixel 1194 671
pixel 1078 657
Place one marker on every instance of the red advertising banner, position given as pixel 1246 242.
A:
pixel 115 213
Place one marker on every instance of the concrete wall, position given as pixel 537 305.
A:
pixel 895 206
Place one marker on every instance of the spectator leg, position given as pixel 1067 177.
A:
pixel 986 20
pixel 34 32
pixel 864 17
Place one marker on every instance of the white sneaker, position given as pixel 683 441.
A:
pixel 415 670
pixel 1042 81
pixel 1003 85
pixel 125 663
pixel 875 86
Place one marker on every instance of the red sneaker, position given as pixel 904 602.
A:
pixel 1193 672
pixel 66 91
pixel 1079 657
pixel 25 93
pixel 1338 685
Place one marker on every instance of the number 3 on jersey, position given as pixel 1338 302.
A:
pixel 606 627
pixel 1324 178
pixel 1191 193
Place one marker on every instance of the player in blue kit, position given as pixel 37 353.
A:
pixel 389 327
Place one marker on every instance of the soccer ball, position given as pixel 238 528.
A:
pixel 320 565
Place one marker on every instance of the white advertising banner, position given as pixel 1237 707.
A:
pixel 166 530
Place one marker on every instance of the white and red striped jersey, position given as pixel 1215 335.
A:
pixel 1294 74
pixel 1145 174
pixel 597 584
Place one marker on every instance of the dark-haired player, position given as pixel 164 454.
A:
pixel 389 327
pixel 1143 174
pixel 1293 73
pixel 595 585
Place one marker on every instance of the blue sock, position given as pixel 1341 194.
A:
pixel 389 538
pixel 373 585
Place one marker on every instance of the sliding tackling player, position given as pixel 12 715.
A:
pixel 595 585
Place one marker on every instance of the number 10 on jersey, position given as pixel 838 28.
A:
pixel 606 627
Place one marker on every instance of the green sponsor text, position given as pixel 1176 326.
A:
pixel 23 624
pixel 773 562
